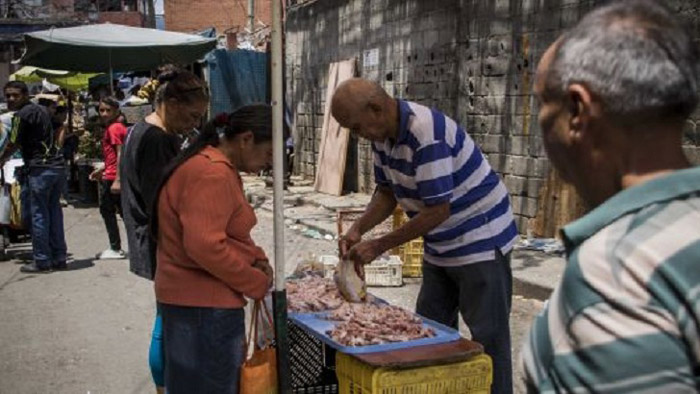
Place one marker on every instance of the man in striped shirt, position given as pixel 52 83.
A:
pixel 429 165
pixel 615 93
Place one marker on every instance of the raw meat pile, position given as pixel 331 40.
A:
pixel 313 294
pixel 374 324
pixel 358 324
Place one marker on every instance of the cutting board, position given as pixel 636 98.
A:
pixel 422 356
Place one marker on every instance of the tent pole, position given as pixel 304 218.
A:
pixel 111 74
pixel 70 112
pixel 279 295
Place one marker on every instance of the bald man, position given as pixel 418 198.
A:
pixel 431 167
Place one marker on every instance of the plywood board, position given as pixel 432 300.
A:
pixel 559 205
pixel 332 157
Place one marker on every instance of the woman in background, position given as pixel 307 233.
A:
pixel 110 189
pixel 207 260
pixel 181 101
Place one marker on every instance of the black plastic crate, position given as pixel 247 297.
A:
pixel 312 363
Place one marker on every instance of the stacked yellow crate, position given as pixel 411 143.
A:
pixel 473 376
pixel 411 252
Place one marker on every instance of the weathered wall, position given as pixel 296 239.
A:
pixel 129 18
pixel 188 16
pixel 472 59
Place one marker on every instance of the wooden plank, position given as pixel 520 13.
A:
pixel 559 205
pixel 422 356
pixel 330 169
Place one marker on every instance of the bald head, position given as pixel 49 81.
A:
pixel 365 108
pixel 353 96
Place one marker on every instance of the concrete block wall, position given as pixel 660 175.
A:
pixel 473 59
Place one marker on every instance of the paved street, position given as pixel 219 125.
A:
pixel 87 330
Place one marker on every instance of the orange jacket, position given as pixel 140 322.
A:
pixel 205 250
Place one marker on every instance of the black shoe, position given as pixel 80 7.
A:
pixel 32 268
pixel 59 266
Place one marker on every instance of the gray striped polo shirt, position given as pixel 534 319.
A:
pixel 626 315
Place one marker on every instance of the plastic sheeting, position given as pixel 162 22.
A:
pixel 236 78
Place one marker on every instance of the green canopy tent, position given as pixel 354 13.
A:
pixel 107 48
pixel 69 80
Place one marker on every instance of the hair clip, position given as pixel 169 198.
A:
pixel 221 120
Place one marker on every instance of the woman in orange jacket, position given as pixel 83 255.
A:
pixel 207 260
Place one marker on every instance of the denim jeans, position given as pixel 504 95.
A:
pixel 48 237
pixel 203 349
pixel 482 293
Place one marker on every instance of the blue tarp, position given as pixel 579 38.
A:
pixel 236 78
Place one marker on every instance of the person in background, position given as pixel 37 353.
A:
pixel 207 260
pixel 69 148
pixel 615 93
pixel 108 176
pixel 58 120
pixel 34 135
pixel 181 102
pixel 50 105
pixel 429 165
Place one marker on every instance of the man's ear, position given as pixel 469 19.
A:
pixel 580 103
pixel 248 138
pixel 374 106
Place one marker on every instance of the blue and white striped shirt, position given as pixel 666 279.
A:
pixel 433 161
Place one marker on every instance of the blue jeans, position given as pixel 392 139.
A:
pixel 482 293
pixel 48 237
pixel 203 349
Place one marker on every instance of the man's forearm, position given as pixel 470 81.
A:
pixel 380 207
pixel 425 221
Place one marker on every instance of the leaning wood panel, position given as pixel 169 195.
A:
pixel 559 204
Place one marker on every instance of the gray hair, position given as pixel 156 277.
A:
pixel 633 55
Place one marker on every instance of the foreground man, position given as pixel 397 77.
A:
pixel 615 93
pixel 429 165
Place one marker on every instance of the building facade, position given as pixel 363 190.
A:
pixel 224 15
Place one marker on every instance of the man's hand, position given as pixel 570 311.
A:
pixel 96 175
pixel 347 241
pixel 116 187
pixel 264 266
pixel 364 253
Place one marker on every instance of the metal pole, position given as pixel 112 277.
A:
pixel 251 15
pixel 279 295
pixel 70 112
pixel 111 74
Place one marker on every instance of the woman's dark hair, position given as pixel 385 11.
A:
pixel 111 101
pixel 180 85
pixel 256 118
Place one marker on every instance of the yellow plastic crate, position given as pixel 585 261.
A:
pixel 468 377
pixel 411 253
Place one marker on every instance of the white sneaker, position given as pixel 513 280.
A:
pixel 110 254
